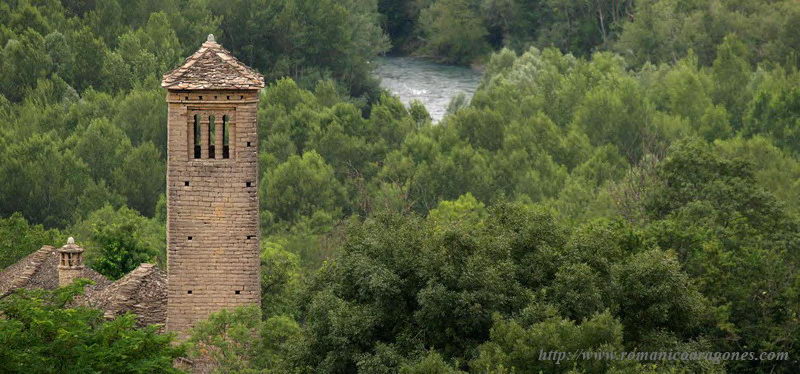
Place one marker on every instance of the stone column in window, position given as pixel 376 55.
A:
pixel 212 137
pixel 219 134
pixel 204 136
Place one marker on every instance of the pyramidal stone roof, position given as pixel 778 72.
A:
pixel 213 68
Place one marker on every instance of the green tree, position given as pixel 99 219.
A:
pixel 773 113
pixel 651 36
pixel 653 293
pixel 238 341
pixel 43 180
pixel 334 38
pixel 120 240
pixel 280 279
pixel 400 283
pixel 731 73
pixel 302 187
pixel 61 54
pixel 90 65
pixel 141 178
pixel 18 238
pixel 579 291
pixel 42 332
pixel 774 169
pixel 431 363
pixel 514 348
pixel 453 32
pixel 142 115
pixel 150 50
pixel 734 237
pixel 465 210
pixel 102 146
pixel 24 59
pixel 616 114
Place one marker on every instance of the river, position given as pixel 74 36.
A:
pixel 433 84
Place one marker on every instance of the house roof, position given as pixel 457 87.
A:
pixel 40 270
pixel 212 67
pixel 143 291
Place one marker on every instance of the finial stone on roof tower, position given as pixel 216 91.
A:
pixel 211 38
pixel 71 240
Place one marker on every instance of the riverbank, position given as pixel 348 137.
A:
pixel 433 84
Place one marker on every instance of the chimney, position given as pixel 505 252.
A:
pixel 71 265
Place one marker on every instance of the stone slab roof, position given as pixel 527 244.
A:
pixel 143 292
pixel 212 68
pixel 40 270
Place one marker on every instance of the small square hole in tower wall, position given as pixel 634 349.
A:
pixel 248 144
pixel 248 184
pixel 189 238
pixel 189 292
pixel 249 237
pixel 185 183
pixel 238 292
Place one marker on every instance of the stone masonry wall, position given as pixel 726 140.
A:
pixel 68 274
pixel 212 208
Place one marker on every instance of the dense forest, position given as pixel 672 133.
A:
pixel 625 178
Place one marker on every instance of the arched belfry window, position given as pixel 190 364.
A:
pixel 212 136
pixel 197 135
pixel 226 137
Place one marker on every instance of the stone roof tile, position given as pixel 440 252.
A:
pixel 212 67
pixel 40 270
pixel 143 292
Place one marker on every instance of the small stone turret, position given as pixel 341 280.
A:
pixel 71 263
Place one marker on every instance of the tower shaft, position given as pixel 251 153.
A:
pixel 212 186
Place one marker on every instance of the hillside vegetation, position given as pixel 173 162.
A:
pixel 625 178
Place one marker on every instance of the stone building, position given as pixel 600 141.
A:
pixel 212 207
pixel 212 186
pixel 142 291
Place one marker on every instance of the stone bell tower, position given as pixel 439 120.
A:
pixel 212 186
